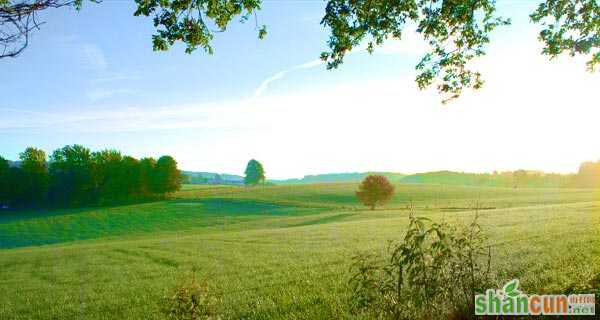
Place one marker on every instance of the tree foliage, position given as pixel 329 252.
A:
pixel 456 30
pixel 375 190
pixel 571 26
pixel 76 176
pixel 168 177
pixel 255 173
pixel 71 176
pixel 35 174
pixel 193 22
pixel 4 181
pixel 148 183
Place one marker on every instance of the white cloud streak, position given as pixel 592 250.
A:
pixel 265 84
pixel 411 44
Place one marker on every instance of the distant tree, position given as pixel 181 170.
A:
pixel 148 178
pixel 106 175
pixel 74 176
pixel 131 178
pixel 17 192
pixel 4 185
pixel 71 176
pixel 35 174
pixel 168 177
pixel 375 190
pixel 255 173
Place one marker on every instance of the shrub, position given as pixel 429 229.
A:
pixel 191 301
pixel 374 190
pixel 433 273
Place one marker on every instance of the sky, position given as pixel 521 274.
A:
pixel 91 78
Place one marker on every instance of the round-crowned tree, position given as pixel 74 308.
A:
pixel 375 190
pixel 255 173
pixel 167 176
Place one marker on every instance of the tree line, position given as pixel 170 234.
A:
pixel 75 176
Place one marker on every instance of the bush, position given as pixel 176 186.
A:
pixel 433 273
pixel 191 301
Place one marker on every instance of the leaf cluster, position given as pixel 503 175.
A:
pixel 194 22
pixel 456 30
pixel 571 26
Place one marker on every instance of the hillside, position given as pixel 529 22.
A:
pixel 193 177
pixel 508 179
pixel 511 179
pixel 337 177
pixel 272 252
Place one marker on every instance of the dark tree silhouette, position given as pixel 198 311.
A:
pixel 35 174
pixel 375 190
pixel 148 184
pixel 168 177
pixel 255 173
pixel 4 182
pixel 75 176
pixel 71 176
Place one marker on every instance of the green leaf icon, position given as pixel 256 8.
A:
pixel 510 289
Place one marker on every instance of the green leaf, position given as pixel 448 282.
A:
pixel 511 288
pixel 262 33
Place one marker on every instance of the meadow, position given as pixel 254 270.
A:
pixel 273 252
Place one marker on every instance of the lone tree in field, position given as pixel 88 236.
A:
pixel 255 173
pixel 374 190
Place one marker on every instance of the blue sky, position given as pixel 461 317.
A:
pixel 91 77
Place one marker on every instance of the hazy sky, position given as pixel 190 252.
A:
pixel 91 78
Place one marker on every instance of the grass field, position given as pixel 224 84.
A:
pixel 271 252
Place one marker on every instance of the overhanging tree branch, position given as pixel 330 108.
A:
pixel 18 20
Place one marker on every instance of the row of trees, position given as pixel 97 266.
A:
pixel 76 176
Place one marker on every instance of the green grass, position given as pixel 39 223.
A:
pixel 272 252
pixel 69 225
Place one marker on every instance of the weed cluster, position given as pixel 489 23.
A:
pixel 433 273
pixel 191 301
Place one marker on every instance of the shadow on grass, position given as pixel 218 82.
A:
pixel 33 213
pixel 32 228
pixel 242 207
pixel 322 220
